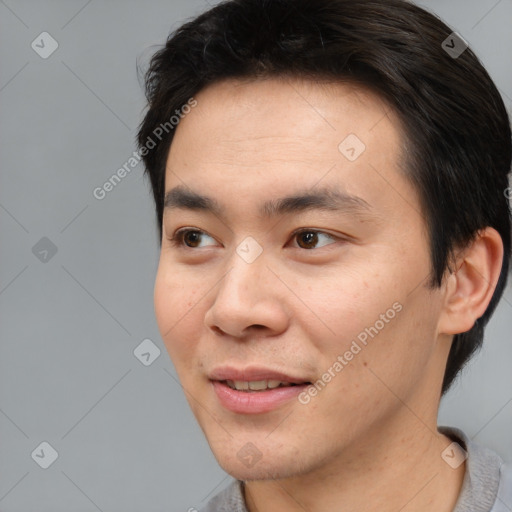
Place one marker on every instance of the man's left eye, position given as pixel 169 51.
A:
pixel 309 239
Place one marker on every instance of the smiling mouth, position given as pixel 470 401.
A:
pixel 258 385
pixel 240 395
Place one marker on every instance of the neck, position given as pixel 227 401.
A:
pixel 397 466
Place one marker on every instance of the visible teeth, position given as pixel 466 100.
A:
pixel 240 385
pixel 257 385
pixel 271 384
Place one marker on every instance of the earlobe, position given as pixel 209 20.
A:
pixel 469 289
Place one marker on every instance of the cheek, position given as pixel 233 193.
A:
pixel 371 319
pixel 176 311
pixel 342 304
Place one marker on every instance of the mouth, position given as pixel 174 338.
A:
pixel 257 386
pixel 255 390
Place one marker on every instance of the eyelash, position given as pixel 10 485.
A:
pixel 177 239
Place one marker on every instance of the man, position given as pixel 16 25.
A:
pixel 335 235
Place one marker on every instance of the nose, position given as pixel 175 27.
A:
pixel 249 301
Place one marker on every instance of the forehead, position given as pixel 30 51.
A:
pixel 282 111
pixel 271 137
pixel 278 107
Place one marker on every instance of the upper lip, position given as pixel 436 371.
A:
pixel 251 374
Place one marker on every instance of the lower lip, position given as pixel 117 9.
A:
pixel 257 402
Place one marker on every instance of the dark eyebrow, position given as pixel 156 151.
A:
pixel 319 199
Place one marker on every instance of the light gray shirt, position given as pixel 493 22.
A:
pixel 487 484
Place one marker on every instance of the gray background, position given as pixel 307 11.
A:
pixel 125 438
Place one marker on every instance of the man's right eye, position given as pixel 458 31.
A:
pixel 190 238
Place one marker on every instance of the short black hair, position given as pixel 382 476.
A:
pixel 457 129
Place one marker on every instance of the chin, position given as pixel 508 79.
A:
pixel 248 463
pixel 260 471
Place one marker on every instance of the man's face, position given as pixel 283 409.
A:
pixel 335 296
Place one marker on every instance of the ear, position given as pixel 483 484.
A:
pixel 469 289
